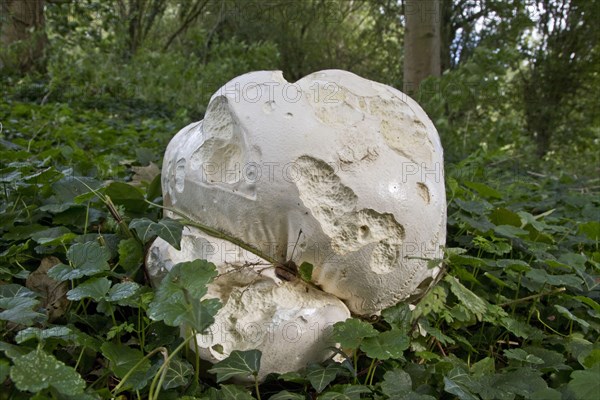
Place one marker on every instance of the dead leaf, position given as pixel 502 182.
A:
pixel 53 292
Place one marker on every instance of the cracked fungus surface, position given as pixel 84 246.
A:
pixel 334 205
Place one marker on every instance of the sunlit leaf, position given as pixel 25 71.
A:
pixel 38 370
pixel 350 333
pixel 239 363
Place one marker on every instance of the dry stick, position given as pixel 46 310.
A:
pixel 533 296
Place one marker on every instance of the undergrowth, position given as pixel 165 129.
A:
pixel 516 315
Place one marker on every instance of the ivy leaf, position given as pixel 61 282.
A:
pixel 178 374
pixel 38 370
pixel 585 384
pixel 95 288
pixel 319 376
pixel 122 359
pixel 229 392
pixel 570 316
pixel 87 259
pixel 239 363
pixel 285 395
pixel 177 299
pixel 167 229
pixel 351 332
pixel 386 345
pixel 345 392
pixel 399 316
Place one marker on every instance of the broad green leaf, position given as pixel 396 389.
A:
pixel 585 384
pixel 523 382
pixel 458 390
pixel 546 394
pixel 523 356
pixel 319 376
pixel 474 303
pixel 504 216
pixel 285 395
pixel 386 345
pixel 396 383
pixel 305 271
pixel 351 332
pixel 122 291
pixel 124 358
pixel 130 254
pixel 60 332
pixel 38 370
pixel 228 392
pixel 591 229
pixel 345 392
pixel 52 236
pixel 177 299
pixel 87 259
pixel 18 303
pixel 126 195
pixel 167 229
pixel 95 288
pixel 178 374
pixel 4 369
pixel 399 316
pixel 567 314
pixel 239 363
pixel 483 189
pixel 542 277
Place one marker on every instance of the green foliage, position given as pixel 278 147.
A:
pixel 516 316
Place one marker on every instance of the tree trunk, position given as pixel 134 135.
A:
pixel 422 42
pixel 22 35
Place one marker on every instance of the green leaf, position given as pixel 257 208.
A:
pixel 122 359
pixel 523 356
pixel 53 236
pixel 319 376
pixel 345 392
pixel 585 384
pixel 178 374
pixel 130 254
pixel 38 370
pixel 483 190
pixel 126 195
pixel 458 390
pixel 87 259
pixel 285 395
pixel 567 314
pixel 42 334
pixel 470 300
pixel 305 270
pixel 399 316
pixel 122 291
pixel 4 369
pixel 386 345
pixel 351 332
pixel 542 277
pixel 177 299
pixel 95 288
pixel 167 229
pixel 229 392
pixel 239 363
pixel 18 303
pixel 591 229
pixel 396 383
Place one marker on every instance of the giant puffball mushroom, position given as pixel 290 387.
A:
pixel 289 322
pixel 354 166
